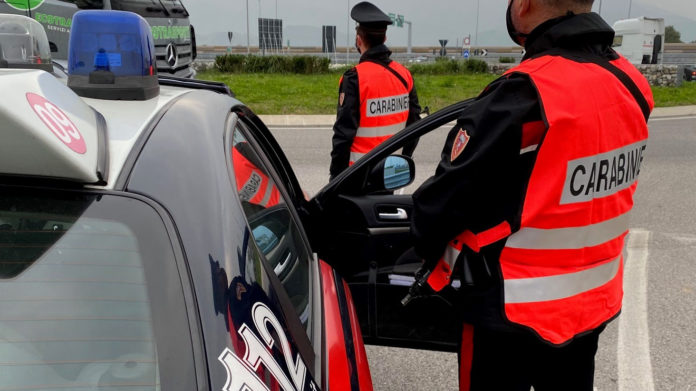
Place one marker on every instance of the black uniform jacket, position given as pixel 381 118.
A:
pixel 486 183
pixel 348 113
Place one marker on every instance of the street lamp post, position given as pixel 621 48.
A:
pixel 247 12
pixel 478 2
pixel 600 7
pixel 348 33
pixel 630 4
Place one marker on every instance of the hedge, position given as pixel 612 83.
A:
pixel 237 63
pixel 447 66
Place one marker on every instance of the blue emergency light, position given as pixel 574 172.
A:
pixel 112 56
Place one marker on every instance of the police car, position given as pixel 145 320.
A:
pixel 153 235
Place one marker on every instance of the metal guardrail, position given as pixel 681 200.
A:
pixel 679 54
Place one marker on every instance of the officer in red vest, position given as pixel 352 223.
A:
pixel 529 205
pixel 253 184
pixel 377 97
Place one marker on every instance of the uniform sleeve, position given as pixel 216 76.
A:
pixel 347 121
pixel 414 111
pixel 486 181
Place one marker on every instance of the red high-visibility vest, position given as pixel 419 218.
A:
pixel 562 269
pixel 384 105
pixel 252 184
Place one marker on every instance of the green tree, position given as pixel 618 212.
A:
pixel 672 35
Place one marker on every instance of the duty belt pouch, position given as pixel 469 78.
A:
pixel 474 272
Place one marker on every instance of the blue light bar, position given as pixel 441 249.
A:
pixel 112 56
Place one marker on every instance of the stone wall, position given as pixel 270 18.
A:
pixel 499 69
pixel 657 75
pixel 663 75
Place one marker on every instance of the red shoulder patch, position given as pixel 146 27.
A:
pixel 460 143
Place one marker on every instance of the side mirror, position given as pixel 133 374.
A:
pixel 392 173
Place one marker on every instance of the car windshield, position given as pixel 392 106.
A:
pixel 152 8
pixel 75 299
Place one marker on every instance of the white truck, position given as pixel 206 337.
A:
pixel 640 40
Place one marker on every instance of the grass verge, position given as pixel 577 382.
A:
pixel 679 96
pixel 318 94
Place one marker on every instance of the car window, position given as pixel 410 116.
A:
pixel 273 227
pixel 145 8
pixel 89 295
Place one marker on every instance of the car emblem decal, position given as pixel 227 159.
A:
pixel 242 371
pixel 171 57
pixel 57 122
pixel 459 144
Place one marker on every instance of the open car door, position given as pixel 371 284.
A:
pixel 361 228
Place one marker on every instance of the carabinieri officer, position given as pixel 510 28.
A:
pixel 377 98
pixel 531 202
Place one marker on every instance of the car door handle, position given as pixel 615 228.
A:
pixel 399 215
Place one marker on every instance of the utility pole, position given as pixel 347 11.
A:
pixel 247 9
pixel 276 9
pixel 478 3
pixel 348 33
pixel 600 7
pixel 630 4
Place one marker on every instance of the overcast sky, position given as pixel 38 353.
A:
pixel 432 19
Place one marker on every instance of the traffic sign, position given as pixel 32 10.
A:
pixel 443 49
pixel 484 52
pixel 467 41
pixel 397 20
pixel 466 54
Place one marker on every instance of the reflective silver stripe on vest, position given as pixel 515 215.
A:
pixel 529 290
pixel 569 238
pixel 380 131
pixel 450 256
pixel 267 195
pixel 530 148
pixel 355 156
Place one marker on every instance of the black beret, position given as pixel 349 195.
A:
pixel 368 15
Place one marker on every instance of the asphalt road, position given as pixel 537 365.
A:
pixel 652 345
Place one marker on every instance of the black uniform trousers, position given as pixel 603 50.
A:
pixel 511 361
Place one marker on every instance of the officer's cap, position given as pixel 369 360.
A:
pixel 369 16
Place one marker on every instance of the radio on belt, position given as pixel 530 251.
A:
pixel 111 55
pixel 23 43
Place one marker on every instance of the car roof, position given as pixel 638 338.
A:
pixel 127 121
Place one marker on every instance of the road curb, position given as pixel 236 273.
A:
pixel 327 120
pixel 676 111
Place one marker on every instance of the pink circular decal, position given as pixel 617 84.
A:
pixel 57 122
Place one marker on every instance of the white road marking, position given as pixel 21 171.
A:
pixel 633 352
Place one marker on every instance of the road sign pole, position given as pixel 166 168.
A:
pixel 247 12
pixel 477 22
pixel 348 33
pixel 409 37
